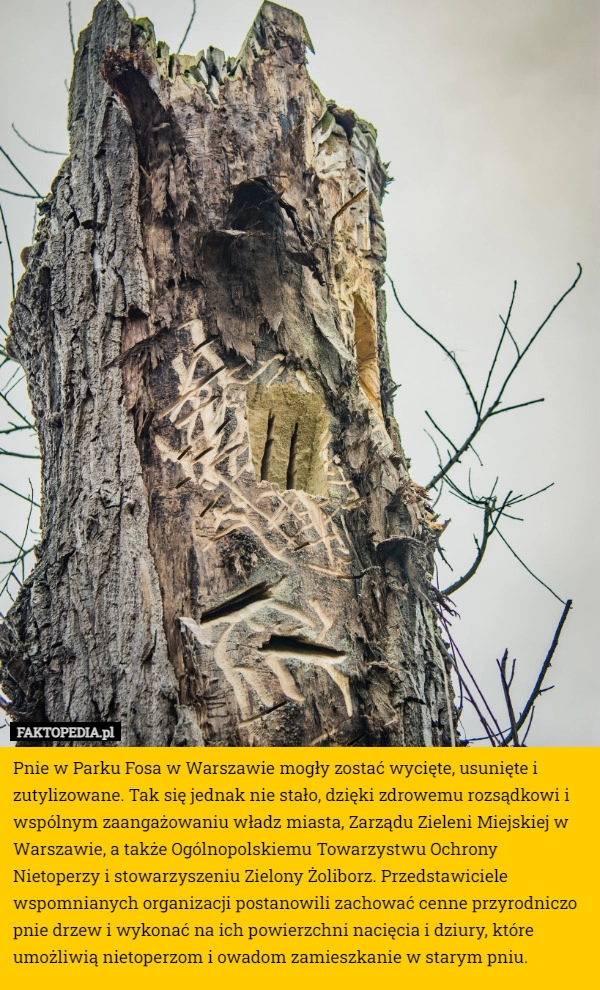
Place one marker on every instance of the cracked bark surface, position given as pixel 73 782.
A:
pixel 233 552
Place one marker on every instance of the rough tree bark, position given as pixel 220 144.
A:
pixel 233 552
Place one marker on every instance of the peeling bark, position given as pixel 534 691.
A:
pixel 233 551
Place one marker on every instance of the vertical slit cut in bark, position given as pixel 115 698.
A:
pixel 264 468
pixel 291 471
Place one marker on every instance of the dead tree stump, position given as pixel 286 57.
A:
pixel 233 552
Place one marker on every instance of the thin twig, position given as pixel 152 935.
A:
pixel 440 431
pixel 523 498
pixel 463 686
pixel 494 409
pixel 71 28
pixel 22 553
pixel 519 405
pixel 23 176
pixel 527 730
pixel 436 341
pixel 15 453
pixel 538 331
pixel 25 498
pixel 474 566
pixel 455 650
pixel 499 347
pixel 491 518
pixel 492 515
pixel 509 333
pixel 507 698
pixel 11 192
pixel 13 428
pixel 537 689
pixel 528 569
pixel 44 151
pixel 18 378
pixel 15 561
pixel 187 30
pixel 8 537
pixel 442 473
pixel 9 249
pixel 3 395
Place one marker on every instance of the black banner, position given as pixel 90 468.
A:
pixel 74 732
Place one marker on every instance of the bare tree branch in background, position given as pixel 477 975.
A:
pixel 506 686
pixel 469 689
pixel 188 28
pixel 11 259
pixel 538 690
pixel 17 561
pixel 14 568
pixel 495 407
pixel 492 512
pixel 43 151
pixel 488 505
pixel 11 192
pixel 19 172
pixel 72 36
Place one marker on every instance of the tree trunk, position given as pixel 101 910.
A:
pixel 232 550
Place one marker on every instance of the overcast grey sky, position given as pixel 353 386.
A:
pixel 488 114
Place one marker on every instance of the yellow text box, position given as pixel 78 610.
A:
pixel 406 865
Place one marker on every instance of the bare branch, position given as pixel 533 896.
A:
pixel 439 344
pixel 528 569
pixel 499 347
pixel 454 654
pixel 25 498
pixel 527 730
pixel 492 514
pixel 18 378
pixel 8 537
pixel 494 409
pixel 23 176
pixel 11 192
pixel 523 498
pixel 534 337
pixel 44 151
pixel 3 395
pixel 443 472
pixel 72 36
pixel 9 249
pixel 520 405
pixel 15 453
pixel 437 449
pixel 13 428
pixel 507 697
pixel 474 566
pixel 187 30
pixel 439 429
pixel 509 333
pixel 22 553
pixel 537 689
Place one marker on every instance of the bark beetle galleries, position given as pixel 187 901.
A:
pixel 215 242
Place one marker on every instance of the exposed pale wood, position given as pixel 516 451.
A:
pixel 233 551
